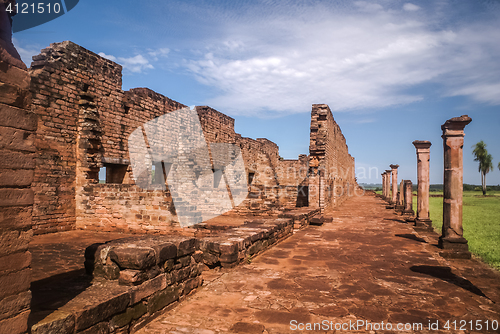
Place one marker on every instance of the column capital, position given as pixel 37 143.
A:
pixel 393 167
pixel 421 144
pixel 455 126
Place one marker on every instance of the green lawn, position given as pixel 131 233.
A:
pixel 481 222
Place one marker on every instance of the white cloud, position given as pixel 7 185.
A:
pixel 409 7
pixel 350 59
pixel 112 58
pixel 159 53
pixel 26 51
pixel 135 64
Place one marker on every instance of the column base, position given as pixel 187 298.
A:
pixel 454 248
pixel 423 225
pixel 400 208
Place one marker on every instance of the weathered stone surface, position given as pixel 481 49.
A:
pixel 133 257
pixel 186 247
pixel 109 271
pixel 15 283
pixel 58 322
pixel 17 118
pixel 14 304
pixel 165 252
pixel 100 328
pixel 14 262
pixel 16 177
pixel 453 140
pixel 149 287
pixel 132 277
pixel 15 325
pixel 394 169
pixel 125 318
pixel 163 298
pixel 94 314
pixel 16 197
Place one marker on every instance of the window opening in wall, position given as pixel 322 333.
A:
pixel 102 175
pixel 217 177
pixel 159 172
pixel 112 173
pixel 250 178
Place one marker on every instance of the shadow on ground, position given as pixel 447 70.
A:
pixel 446 274
pixel 411 237
pixel 53 292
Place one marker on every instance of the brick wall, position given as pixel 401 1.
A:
pixel 17 161
pixel 85 120
pixel 332 173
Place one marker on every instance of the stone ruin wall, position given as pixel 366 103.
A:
pixel 85 119
pixel 332 171
pixel 17 163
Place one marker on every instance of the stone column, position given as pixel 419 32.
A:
pixel 17 162
pixel 394 197
pixel 422 221
pixel 401 198
pixel 383 184
pixel 408 200
pixel 388 185
pixel 452 240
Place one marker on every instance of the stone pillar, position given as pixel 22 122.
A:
pixel 401 198
pixel 422 221
pixel 452 240
pixel 383 184
pixel 388 185
pixel 394 197
pixel 17 163
pixel 408 200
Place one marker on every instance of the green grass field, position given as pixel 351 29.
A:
pixel 481 223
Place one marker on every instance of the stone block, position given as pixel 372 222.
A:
pixel 14 262
pixel 132 277
pixel 15 218
pixel 100 328
pixel 14 75
pixel 149 287
pixel 16 160
pixel 16 282
pixel 16 178
pixel 210 259
pixel 109 271
pixel 16 139
pixel 133 257
pixel 17 118
pixel 14 95
pixel 58 322
pixel 209 246
pixel 163 298
pixel 12 241
pixel 16 197
pixel 186 247
pixel 191 284
pixel 91 315
pixel 181 274
pixel 125 318
pixel 14 304
pixel 165 251
pixel 15 325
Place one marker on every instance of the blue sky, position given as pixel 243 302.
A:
pixel 391 71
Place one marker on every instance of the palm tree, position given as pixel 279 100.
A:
pixel 485 162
